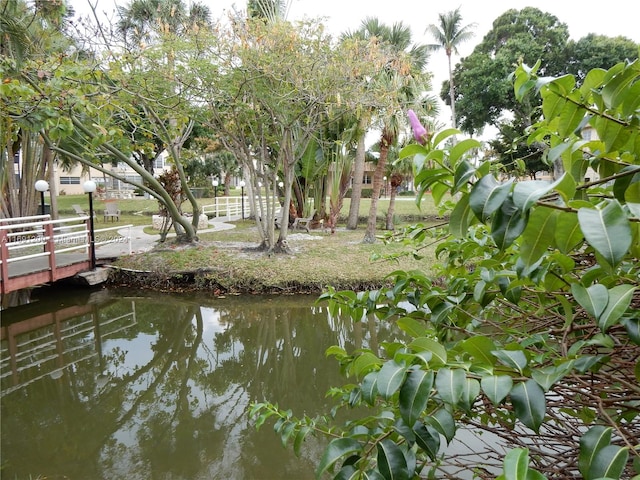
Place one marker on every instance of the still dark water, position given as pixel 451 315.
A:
pixel 130 385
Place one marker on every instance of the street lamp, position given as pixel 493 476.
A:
pixel 242 184
pixel 42 186
pixel 384 187
pixel 89 187
pixel 215 184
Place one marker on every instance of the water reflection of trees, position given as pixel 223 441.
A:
pixel 171 398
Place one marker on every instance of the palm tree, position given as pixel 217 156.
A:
pixel 143 20
pixel 450 34
pixel 403 72
pixel 269 10
pixel 406 60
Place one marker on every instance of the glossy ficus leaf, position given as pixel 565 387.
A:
pixel 390 377
pixel 412 326
pixel 546 377
pixel 444 134
pixel 411 150
pixel 607 230
pixel 496 387
pixel 443 422
pixel 526 193
pixel 508 224
pixel 512 358
pixel 365 363
pixel 633 329
pixel 567 233
pixel 348 472
pixel 414 394
pixel 616 90
pixel 461 217
pixel 464 171
pixel 529 404
pixel 392 463
pixel 428 344
pixel 450 384
pixel 594 440
pixel 427 439
pixel 609 462
pixel 461 148
pixel 470 393
pixel 613 134
pixel 480 348
pixel 593 299
pixel 337 449
pixel 537 236
pixel 369 387
pixel 487 196
pixel 619 299
pixel 516 464
pixel 372 475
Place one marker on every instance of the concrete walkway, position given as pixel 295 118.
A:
pixel 143 242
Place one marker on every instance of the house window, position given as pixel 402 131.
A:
pixel 366 180
pixel 158 163
pixel 69 180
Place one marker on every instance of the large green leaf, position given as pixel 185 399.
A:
pixel 619 300
pixel 337 449
pixel 516 464
pixel 508 224
pixel 412 326
pixel 607 230
pixel 369 387
pixel 462 147
pixel 487 196
pixel 480 348
pixel 529 404
pixel 427 439
pixel 567 233
pixel 609 462
pixel 422 344
pixel 526 193
pixel 546 377
pixel 451 384
pixel 496 387
pixel 633 329
pixel 365 363
pixel 443 422
pixel 593 299
pixel 464 171
pixel 538 235
pixel 612 133
pixel 414 395
pixel 390 377
pixel 392 463
pixel 512 358
pixel 461 217
pixel 596 438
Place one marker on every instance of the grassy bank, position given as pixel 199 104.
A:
pixel 227 262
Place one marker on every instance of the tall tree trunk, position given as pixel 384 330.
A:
pixel 358 174
pixel 451 93
pixel 370 234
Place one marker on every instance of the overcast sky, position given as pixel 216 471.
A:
pixel 611 18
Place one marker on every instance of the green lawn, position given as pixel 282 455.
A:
pixel 138 211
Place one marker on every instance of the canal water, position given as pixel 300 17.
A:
pixel 114 384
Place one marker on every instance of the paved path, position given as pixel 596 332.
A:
pixel 142 242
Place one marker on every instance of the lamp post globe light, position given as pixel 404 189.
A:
pixel 42 186
pixel 242 184
pixel 89 187
pixel 215 184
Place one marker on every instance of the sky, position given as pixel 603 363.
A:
pixel 611 18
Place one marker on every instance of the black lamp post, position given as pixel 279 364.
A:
pixel 242 196
pixel 89 187
pixel 215 184
pixel 42 186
